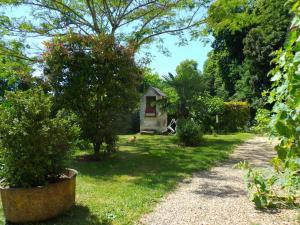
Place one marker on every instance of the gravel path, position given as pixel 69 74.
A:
pixel 219 196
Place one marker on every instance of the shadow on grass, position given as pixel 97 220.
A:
pixel 156 161
pixel 151 166
pixel 78 215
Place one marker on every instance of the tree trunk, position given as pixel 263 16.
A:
pixel 97 150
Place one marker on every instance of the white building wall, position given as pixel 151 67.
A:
pixel 158 123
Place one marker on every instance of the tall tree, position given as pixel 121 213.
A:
pixel 228 22
pixel 214 74
pixel 188 83
pixel 266 36
pixel 246 33
pixel 135 22
pixel 98 80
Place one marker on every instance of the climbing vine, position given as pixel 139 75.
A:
pixel 285 94
pixel 281 185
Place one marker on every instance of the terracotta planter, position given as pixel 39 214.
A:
pixel 22 205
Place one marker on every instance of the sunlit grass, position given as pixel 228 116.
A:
pixel 121 189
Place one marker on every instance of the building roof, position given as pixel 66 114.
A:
pixel 158 91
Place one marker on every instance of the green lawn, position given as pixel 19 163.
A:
pixel 121 189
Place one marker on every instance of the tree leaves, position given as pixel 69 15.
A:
pixel 246 33
pixel 135 22
pixel 98 80
pixel 232 15
pixel 286 90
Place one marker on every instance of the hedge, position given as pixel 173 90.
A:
pixel 235 117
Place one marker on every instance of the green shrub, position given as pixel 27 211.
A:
pixel 215 109
pixel 83 144
pixel 36 144
pixel 216 115
pixel 262 121
pixel 236 116
pixel 205 111
pixel 189 132
pixel 278 186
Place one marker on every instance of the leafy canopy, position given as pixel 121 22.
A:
pixel 188 84
pixel 245 34
pixel 96 79
pixel 136 22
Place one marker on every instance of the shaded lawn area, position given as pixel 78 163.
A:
pixel 126 186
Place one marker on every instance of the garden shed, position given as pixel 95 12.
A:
pixel 152 118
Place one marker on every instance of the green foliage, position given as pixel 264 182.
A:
pixel 273 187
pixel 226 56
pixel 281 185
pixel 257 27
pixel 262 39
pixel 121 190
pixel 189 132
pixel 188 84
pixel 207 111
pixel 14 71
pixel 187 69
pixel 35 143
pixel 242 86
pixel 96 79
pixel 262 121
pixel 215 115
pixel 212 72
pixel 215 106
pixel 235 117
pixel 150 79
pixel 267 36
pixel 1 163
pixel 285 94
pixel 232 15
pixel 144 20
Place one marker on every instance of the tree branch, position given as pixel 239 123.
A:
pixel 91 6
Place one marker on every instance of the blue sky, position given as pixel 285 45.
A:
pixel 161 63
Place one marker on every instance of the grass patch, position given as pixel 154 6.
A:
pixel 124 187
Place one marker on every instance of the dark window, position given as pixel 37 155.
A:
pixel 151 105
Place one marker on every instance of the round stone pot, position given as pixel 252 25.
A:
pixel 23 205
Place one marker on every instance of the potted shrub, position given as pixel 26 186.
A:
pixel 35 147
